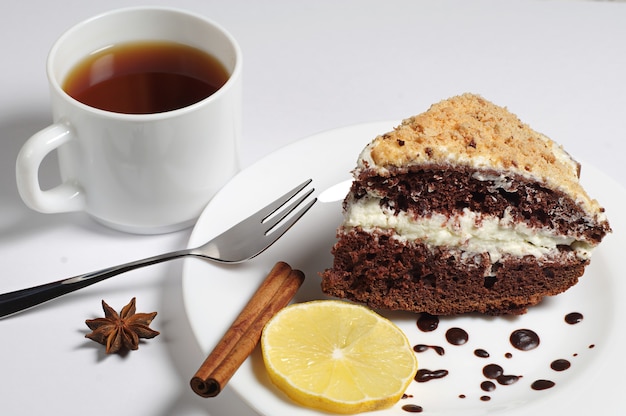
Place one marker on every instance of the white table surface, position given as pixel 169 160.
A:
pixel 309 67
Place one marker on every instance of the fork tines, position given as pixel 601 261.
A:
pixel 259 231
pixel 278 210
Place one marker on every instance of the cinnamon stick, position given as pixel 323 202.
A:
pixel 278 288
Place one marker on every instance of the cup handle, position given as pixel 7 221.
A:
pixel 65 197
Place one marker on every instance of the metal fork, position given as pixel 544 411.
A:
pixel 242 242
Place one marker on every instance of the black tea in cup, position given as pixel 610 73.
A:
pixel 145 77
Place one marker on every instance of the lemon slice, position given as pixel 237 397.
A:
pixel 337 356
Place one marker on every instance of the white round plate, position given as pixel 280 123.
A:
pixel 215 294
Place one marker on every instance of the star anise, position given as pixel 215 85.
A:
pixel 121 331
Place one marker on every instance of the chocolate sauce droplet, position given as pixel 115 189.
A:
pixel 481 353
pixel 423 347
pixel 507 380
pixel 560 365
pixel 412 408
pixel 542 384
pixel 524 339
pixel 427 322
pixel 456 336
pixel 461 396
pixel 592 346
pixel 424 375
pixel 492 371
pixel 485 398
pixel 508 355
pixel 420 347
pixel 487 386
pixel 573 318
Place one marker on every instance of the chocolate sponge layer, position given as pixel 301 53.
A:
pixel 384 272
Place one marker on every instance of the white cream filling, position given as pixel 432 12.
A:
pixel 470 231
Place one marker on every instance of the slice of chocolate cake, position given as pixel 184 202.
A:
pixel 463 209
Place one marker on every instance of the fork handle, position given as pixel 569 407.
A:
pixel 19 300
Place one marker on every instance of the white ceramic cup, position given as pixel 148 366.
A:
pixel 141 173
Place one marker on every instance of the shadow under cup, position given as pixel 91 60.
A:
pixel 142 173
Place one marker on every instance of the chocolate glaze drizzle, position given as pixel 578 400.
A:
pixel 457 336
pixel 521 339
pixel 560 365
pixel 427 322
pixel 542 384
pixel 412 408
pixel 524 339
pixel 506 380
pixel 492 371
pixel 487 386
pixel 495 372
pixel 423 347
pixel 481 353
pixel 573 318
pixel 424 375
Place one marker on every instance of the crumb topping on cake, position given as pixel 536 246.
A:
pixel 471 131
